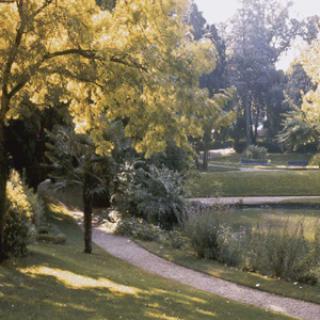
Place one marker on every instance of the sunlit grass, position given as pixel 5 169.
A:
pixel 236 183
pixel 59 282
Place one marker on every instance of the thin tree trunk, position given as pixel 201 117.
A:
pixel 256 125
pixel 206 147
pixel 205 159
pixel 87 209
pixel 4 172
pixel 247 115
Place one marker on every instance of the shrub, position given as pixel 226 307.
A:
pixel 255 152
pixel 283 252
pixel 23 199
pixel 212 239
pixel 16 233
pixel 155 194
pixel 279 251
pixel 24 210
pixel 315 160
pixel 138 229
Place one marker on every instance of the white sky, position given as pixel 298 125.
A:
pixel 217 11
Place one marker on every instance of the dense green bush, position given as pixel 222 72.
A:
pixel 283 253
pixel 315 160
pixel 255 152
pixel 278 251
pixel 155 194
pixel 24 211
pixel 22 199
pixel 213 239
pixel 138 229
pixel 17 233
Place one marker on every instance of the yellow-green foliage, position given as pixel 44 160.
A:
pixel 24 211
pixel 17 196
pixel 22 199
pixel 134 62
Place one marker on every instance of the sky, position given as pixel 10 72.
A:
pixel 217 11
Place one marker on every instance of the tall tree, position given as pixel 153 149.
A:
pixel 215 82
pixel 261 31
pixel 134 63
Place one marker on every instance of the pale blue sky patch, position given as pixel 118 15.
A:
pixel 218 11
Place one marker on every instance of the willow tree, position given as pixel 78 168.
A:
pixel 135 63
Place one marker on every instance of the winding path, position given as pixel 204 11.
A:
pixel 129 251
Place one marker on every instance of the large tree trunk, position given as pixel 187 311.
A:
pixel 87 209
pixel 4 172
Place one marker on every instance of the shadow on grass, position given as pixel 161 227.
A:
pixel 60 282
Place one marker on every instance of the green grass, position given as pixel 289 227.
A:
pixel 277 161
pixel 276 158
pixel 236 183
pixel 59 282
pixel 187 257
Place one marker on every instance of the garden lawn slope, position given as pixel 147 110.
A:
pixel 274 183
pixel 59 282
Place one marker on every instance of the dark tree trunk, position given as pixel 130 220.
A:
pixel 87 209
pixel 248 121
pixel 206 147
pixel 4 172
pixel 256 125
pixel 205 159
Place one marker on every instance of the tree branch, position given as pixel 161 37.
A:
pixel 89 54
pixel 13 52
pixel 45 4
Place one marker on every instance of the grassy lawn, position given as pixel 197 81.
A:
pixel 59 282
pixel 236 183
pixel 237 218
pixel 277 160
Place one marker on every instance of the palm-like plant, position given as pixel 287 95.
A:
pixel 74 162
pixel 297 131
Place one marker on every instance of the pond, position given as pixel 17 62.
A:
pixel 272 216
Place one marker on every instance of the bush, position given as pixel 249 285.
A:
pixel 255 153
pixel 138 229
pixel 212 239
pixel 283 253
pixel 268 249
pixel 23 199
pixel 24 211
pixel 155 194
pixel 16 233
pixel 315 160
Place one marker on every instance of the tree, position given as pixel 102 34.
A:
pixel 261 31
pixel 298 84
pixel 74 162
pixel 134 63
pixel 215 114
pixel 215 117
pixel 301 126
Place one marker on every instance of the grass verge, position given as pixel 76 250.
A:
pixel 243 218
pixel 187 258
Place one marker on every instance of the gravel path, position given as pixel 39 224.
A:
pixel 129 251
pixel 253 200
